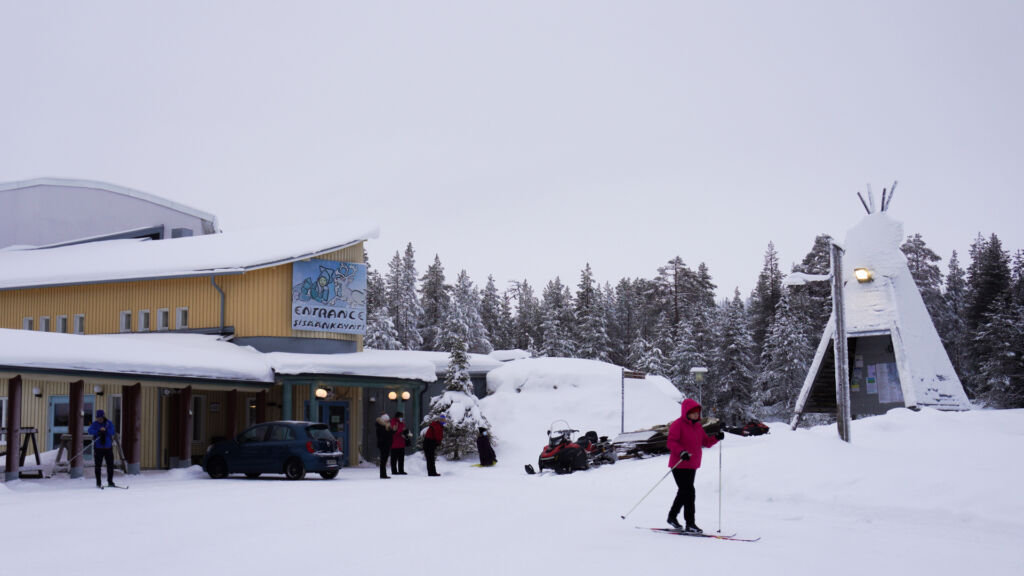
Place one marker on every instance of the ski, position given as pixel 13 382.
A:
pixel 700 534
pixel 113 486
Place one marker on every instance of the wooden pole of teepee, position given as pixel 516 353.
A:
pixel 840 346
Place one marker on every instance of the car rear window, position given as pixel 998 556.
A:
pixel 320 433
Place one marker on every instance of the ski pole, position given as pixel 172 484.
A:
pixel 651 490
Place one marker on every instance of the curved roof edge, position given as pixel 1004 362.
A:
pixel 107 187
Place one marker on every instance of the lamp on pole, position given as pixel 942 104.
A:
pixel 698 373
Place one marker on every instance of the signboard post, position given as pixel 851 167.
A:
pixel 627 374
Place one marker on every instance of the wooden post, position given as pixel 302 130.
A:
pixel 13 428
pixel 186 428
pixel 840 346
pixel 76 402
pixel 231 415
pixel 132 428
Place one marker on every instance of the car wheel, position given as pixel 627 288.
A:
pixel 294 469
pixel 217 468
pixel 252 474
pixel 330 475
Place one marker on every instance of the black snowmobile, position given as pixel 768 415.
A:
pixel 599 450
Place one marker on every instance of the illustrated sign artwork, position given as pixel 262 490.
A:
pixel 329 296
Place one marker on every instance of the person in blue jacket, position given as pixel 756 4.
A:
pixel 102 432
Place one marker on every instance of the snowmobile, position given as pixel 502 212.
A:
pixel 599 450
pixel 562 454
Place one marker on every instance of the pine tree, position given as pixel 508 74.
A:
pixel 591 336
pixel 506 339
pixel 526 328
pixel 466 299
pixel 785 360
pixel 646 357
pixel 1001 382
pixel 403 303
pixel 380 332
pixel 815 298
pixel 732 371
pixel 490 314
pixel 951 324
pixel 765 298
pixel 625 322
pixel 921 260
pixel 988 281
pixel 459 406
pixel 557 321
pixel 435 301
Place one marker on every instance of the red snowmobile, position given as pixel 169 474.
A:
pixel 561 454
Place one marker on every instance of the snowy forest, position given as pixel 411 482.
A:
pixel 757 347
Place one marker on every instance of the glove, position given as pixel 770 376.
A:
pixel 719 435
pixel 684 455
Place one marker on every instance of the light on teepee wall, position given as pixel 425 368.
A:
pixel 863 274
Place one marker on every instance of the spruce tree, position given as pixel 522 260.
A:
pixel 490 314
pixel 435 300
pixel 815 297
pixel 591 335
pixel 1001 381
pixel 765 298
pixel 625 322
pixel 951 324
pixel 526 328
pixel 466 298
pixel 785 361
pixel 459 406
pixel 402 301
pixel 557 321
pixel 921 260
pixel 732 369
pixel 380 332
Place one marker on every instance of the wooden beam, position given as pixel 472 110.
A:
pixel 76 403
pixel 13 428
pixel 132 432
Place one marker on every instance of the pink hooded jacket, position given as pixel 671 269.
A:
pixel 689 436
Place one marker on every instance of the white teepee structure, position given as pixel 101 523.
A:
pixel 895 355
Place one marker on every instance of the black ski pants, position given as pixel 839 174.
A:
pixel 398 460
pixel 430 451
pixel 384 453
pixel 686 495
pixel 98 457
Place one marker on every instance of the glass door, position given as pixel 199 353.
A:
pixel 335 415
pixel 59 420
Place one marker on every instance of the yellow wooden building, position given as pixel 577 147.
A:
pixel 184 341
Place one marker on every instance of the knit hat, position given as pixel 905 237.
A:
pixel 101 414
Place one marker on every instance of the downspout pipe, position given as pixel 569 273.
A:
pixel 223 297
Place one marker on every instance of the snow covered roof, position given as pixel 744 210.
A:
pixel 203 356
pixel 210 254
pixel 478 363
pixel 161 355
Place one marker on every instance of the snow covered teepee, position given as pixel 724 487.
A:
pixel 896 358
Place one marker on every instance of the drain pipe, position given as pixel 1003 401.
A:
pixel 213 280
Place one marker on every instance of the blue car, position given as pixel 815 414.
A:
pixel 288 447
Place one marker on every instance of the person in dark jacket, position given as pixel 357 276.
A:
pixel 431 440
pixel 398 444
pixel 686 439
pixel 483 447
pixel 385 435
pixel 102 432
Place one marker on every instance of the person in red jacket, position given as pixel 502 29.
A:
pixel 398 443
pixel 686 438
pixel 431 440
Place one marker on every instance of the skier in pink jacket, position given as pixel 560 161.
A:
pixel 686 439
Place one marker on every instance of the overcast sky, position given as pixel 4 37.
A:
pixel 525 139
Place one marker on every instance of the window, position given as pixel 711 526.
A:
pixel 163 319
pixel 257 434
pixel 62 323
pixel 144 321
pixel 181 319
pixel 44 323
pixel 27 324
pixel 126 321
pixel 79 323
pixel 281 433
pixel 198 418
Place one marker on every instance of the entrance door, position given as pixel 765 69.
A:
pixel 335 415
pixel 59 420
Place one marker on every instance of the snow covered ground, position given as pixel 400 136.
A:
pixel 916 493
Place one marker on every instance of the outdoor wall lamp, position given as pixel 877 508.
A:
pixel 392 395
pixel 406 395
pixel 37 392
pixel 98 390
pixel 321 392
pixel 862 274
